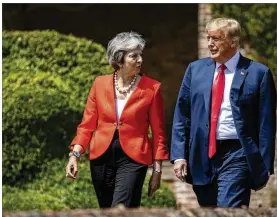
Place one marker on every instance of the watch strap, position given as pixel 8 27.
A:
pixel 157 170
pixel 75 153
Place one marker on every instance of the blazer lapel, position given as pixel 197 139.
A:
pixel 239 77
pixel 208 82
pixel 110 97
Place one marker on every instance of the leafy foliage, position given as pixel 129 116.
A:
pixel 51 191
pixel 259 29
pixel 161 198
pixel 46 80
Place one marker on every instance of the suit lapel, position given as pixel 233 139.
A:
pixel 239 77
pixel 208 82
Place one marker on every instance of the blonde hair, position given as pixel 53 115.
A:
pixel 228 25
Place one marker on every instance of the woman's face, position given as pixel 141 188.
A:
pixel 132 62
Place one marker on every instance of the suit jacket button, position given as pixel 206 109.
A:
pixel 120 123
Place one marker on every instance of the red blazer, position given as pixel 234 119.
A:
pixel 144 107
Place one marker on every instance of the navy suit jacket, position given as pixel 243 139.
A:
pixel 253 104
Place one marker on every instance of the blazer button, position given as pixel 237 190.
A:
pixel 120 123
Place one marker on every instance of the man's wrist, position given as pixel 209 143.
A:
pixel 180 159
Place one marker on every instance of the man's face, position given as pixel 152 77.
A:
pixel 221 47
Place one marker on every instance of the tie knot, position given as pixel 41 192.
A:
pixel 222 67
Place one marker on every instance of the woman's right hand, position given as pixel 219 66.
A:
pixel 71 168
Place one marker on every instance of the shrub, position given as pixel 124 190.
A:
pixel 51 191
pixel 46 79
pixel 164 197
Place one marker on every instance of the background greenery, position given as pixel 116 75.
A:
pixel 46 80
pixel 259 30
pixel 51 191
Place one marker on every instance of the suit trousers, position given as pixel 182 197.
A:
pixel 229 185
pixel 117 179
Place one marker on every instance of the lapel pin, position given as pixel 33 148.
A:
pixel 242 73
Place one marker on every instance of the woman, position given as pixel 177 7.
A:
pixel 115 125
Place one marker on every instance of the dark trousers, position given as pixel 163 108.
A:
pixel 117 179
pixel 230 180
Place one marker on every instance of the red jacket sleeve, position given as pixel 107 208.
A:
pixel 89 120
pixel 157 123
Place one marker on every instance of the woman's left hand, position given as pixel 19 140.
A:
pixel 154 183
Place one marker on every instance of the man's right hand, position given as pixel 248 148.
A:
pixel 180 169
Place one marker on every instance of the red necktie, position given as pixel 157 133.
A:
pixel 217 96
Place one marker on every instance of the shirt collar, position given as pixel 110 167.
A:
pixel 232 63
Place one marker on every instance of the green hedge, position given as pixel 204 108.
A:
pixel 46 79
pixel 51 191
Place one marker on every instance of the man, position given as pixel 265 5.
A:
pixel 223 136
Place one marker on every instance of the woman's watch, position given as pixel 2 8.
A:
pixel 157 170
pixel 75 153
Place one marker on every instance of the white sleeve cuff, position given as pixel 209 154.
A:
pixel 178 160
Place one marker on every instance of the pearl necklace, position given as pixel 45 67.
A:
pixel 124 90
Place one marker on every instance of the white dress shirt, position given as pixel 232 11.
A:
pixel 225 125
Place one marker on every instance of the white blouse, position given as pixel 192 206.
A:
pixel 120 103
